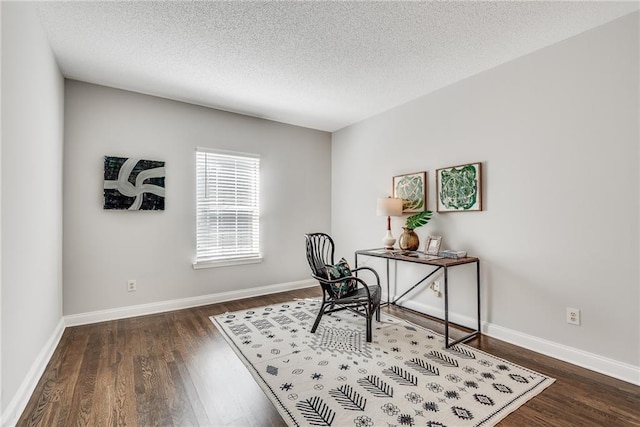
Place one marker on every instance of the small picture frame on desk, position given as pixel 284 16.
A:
pixel 432 246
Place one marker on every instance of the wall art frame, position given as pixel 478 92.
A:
pixel 432 246
pixel 459 188
pixel 133 184
pixel 412 189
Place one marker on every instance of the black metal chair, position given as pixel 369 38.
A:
pixel 364 300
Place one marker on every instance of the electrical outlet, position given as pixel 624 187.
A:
pixel 435 287
pixel 573 316
pixel 131 285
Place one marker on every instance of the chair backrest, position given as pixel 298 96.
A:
pixel 319 252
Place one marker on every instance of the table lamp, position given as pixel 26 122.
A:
pixel 389 207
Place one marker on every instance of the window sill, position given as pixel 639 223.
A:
pixel 226 262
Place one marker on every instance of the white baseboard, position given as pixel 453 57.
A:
pixel 179 304
pixel 613 368
pixel 438 312
pixel 604 365
pixel 21 398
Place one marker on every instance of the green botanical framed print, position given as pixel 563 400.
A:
pixel 412 189
pixel 459 188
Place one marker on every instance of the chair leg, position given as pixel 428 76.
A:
pixel 317 322
pixel 369 321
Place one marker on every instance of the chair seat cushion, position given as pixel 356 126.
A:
pixel 338 271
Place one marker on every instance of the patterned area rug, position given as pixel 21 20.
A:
pixel 404 377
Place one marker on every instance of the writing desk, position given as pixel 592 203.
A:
pixel 440 264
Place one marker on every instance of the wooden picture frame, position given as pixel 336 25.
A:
pixel 459 188
pixel 412 189
pixel 432 247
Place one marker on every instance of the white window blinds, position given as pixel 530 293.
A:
pixel 228 214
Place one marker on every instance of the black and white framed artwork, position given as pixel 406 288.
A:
pixel 133 184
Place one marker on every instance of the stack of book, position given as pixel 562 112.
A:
pixel 452 254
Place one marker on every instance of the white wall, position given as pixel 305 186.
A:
pixel 103 249
pixel 32 138
pixel 557 132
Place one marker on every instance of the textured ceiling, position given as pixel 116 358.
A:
pixel 323 65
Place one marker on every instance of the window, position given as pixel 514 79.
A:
pixel 228 208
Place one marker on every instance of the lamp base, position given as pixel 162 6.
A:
pixel 388 240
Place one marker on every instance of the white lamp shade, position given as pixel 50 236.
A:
pixel 389 206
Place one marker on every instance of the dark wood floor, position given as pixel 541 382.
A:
pixel 176 369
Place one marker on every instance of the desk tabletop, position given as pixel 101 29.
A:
pixel 415 256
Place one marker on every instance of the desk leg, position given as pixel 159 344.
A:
pixel 446 310
pixel 478 290
pixel 388 285
pixel 446 307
